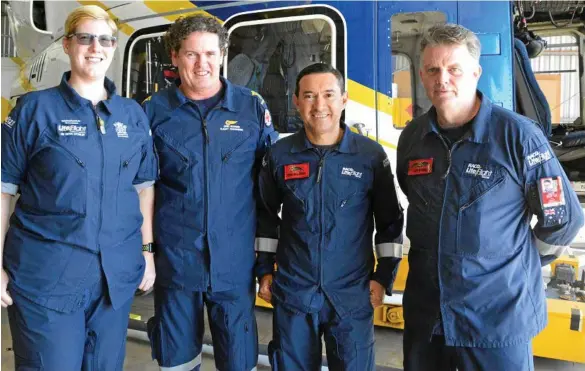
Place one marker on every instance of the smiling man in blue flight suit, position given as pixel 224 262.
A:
pixel 475 174
pixel 210 136
pixel 332 184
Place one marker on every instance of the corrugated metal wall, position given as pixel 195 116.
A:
pixel 562 57
pixel 8 49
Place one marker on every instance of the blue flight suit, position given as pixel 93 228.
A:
pixel 474 278
pixel 73 249
pixel 205 224
pixel 323 247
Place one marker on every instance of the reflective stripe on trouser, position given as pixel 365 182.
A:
pixel 176 330
pixel 185 366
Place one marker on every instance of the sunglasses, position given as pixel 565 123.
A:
pixel 83 38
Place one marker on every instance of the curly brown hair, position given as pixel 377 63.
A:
pixel 185 26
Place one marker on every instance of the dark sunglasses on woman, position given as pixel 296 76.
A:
pixel 107 41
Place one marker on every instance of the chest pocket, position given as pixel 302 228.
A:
pixel 421 227
pixel 59 175
pixel 299 208
pixel 129 167
pixel 351 185
pixel 173 162
pixel 238 146
pixel 478 216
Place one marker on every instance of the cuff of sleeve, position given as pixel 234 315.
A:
pixel 143 185
pixel 389 250
pixel 549 249
pixel 266 245
pixel 385 273
pixel 9 188
pixel 264 265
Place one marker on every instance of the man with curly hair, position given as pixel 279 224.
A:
pixel 210 136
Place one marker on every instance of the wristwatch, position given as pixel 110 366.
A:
pixel 148 247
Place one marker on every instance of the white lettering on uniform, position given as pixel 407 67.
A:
pixel 477 170
pixel 9 122
pixel 72 130
pixel 537 157
pixel 386 162
pixel 351 172
pixel 121 130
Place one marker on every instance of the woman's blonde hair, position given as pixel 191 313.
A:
pixel 84 13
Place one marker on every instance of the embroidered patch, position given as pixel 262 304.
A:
pixel 121 130
pixel 9 122
pixel 71 128
pixel 551 192
pixel 231 125
pixel 386 162
pixel 420 167
pixel 538 157
pixel 348 171
pixel 296 171
pixel 259 97
pixel 267 118
pixel 478 170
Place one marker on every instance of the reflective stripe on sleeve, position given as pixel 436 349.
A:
pixel 389 250
pixel 266 245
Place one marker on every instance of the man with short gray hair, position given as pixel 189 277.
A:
pixel 475 174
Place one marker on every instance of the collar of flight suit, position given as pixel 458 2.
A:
pixel 76 101
pixel 177 98
pixel 346 145
pixel 480 124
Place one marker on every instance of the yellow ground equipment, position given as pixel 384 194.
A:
pixel 564 336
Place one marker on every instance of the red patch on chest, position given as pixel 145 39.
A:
pixel 296 171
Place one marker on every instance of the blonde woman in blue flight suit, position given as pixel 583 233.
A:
pixel 82 159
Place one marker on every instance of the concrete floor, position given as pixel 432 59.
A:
pixel 388 346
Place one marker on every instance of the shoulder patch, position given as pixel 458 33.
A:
pixel 255 94
pixel 538 157
pixel 386 162
pixel 9 122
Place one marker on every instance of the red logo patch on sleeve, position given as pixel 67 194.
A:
pixel 420 167
pixel 296 171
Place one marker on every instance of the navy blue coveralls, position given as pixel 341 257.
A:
pixel 73 250
pixel 323 248
pixel 205 224
pixel 474 295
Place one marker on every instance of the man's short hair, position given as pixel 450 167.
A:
pixel 185 26
pixel 320 68
pixel 451 34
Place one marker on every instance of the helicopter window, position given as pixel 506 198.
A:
pixel 557 72
pixel 406 31
pixel 267 55
pixel 149 68
pixel 402 80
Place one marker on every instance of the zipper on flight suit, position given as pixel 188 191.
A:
pixel 445 176
pixel 206 175
pixel 102 129
pixel 321 216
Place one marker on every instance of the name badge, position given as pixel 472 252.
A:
pixel 296 171
pixel 420 167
